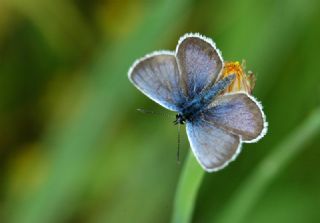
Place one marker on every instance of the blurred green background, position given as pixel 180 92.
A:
pixel 74 149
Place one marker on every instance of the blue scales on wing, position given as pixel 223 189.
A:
pixel 239 114
pixel 199 62
pixel 217 133
pixel 213 147
pixel 157 76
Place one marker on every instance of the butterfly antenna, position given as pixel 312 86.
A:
pixel 178 151
pixel 148 112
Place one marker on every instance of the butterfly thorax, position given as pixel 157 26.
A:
pixel 200 103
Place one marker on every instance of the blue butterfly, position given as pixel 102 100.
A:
pixel 188 81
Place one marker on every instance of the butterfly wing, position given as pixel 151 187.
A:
pixel 238 113
pixel 213 147
pixel 157 76
pixel 199 62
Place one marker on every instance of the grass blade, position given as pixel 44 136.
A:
pixel 251 190
pixel 188 186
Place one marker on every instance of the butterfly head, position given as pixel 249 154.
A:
pixel 180 119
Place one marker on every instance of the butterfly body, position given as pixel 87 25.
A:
pixel 190 82
pixel 200 103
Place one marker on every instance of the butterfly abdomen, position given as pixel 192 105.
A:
pixel 200 103
pixel 192 108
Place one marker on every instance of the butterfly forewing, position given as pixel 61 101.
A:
pixel 199 62
pixel 239 114
pixel 157 76
pixel 213 147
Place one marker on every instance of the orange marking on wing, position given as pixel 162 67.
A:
pixel 242 82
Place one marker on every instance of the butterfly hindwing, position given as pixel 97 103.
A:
pixel 213 147
pixel 239 114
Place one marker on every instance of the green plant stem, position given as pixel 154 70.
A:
pixel 187 190
pixel 251 190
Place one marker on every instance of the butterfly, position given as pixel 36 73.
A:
pixel 191 82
